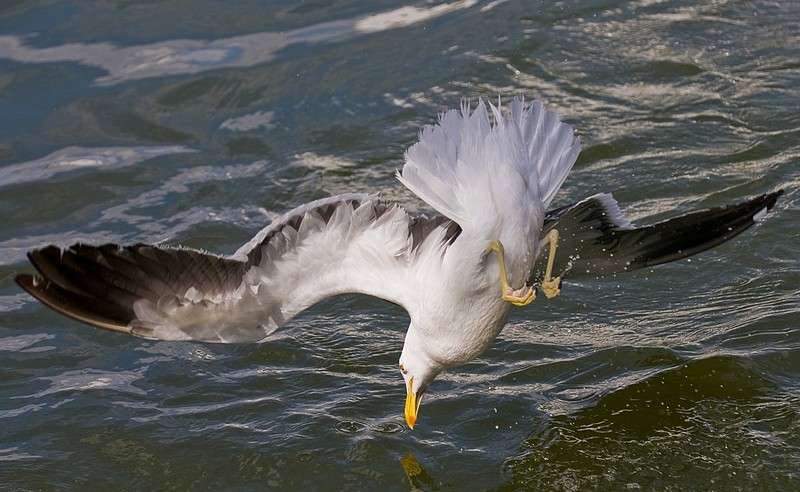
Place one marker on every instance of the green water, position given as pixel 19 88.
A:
pixel 198 122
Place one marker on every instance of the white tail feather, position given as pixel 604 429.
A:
pixel 476 172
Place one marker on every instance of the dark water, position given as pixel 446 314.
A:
pixel 195 122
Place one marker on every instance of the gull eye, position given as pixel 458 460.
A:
pixel 403 370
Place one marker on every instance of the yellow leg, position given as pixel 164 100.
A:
pixel 551 286
pixel 519 297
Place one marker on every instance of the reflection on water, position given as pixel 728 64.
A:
pixel 419 478
pixel 187 56
pixel 77 381
pixel 82 158
pixel 253 121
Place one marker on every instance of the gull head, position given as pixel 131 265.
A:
pixel 419 369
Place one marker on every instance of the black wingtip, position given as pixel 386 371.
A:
pixel 73 305
pixel 26 281
pixel 68 288
pixel 770 199
pixel 763 204
pixel 600 248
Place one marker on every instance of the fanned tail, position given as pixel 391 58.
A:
pixel 475 172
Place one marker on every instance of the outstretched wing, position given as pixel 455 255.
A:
pixel 102 285
pixel 348 243
pixel 596 238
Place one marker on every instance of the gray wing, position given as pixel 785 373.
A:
pixel 596 239
pixel 348 243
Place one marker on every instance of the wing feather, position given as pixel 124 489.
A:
pixel 348 243
pixel 596 238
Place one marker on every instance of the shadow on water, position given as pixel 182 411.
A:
pixel 710 421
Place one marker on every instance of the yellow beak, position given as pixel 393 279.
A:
pixel 412 404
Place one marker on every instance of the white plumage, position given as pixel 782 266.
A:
pixel 492 177
pixel 495 181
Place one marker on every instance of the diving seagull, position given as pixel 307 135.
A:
pixel 490 172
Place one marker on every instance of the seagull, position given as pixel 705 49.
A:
pixel 490 173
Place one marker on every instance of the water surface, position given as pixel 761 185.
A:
pixel 196 123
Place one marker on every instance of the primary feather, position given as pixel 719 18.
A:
pixel 347 243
